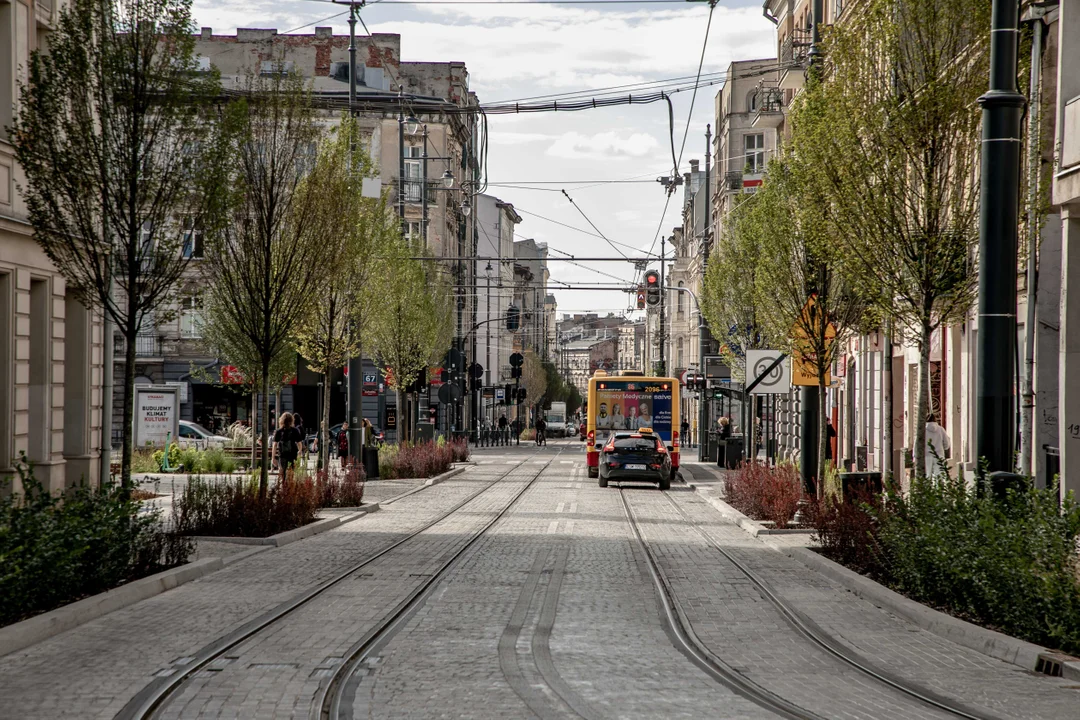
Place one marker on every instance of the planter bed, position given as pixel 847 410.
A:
pixel 319 525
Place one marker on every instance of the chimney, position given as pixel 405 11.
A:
pixel 207 33
pixel 324 33
pixel 694 165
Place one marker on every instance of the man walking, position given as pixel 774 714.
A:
pixel 502 437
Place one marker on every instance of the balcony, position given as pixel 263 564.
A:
pixel 412 189
pixel 770 113
pixel 146 346
pixel 733 181
pixel 794 55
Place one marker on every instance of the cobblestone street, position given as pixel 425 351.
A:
pixel 516 589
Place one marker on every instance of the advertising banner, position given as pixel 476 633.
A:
pixel 633 405
pixel 157 415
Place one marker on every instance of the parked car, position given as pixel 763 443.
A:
pixel 312 437
pixel 194 435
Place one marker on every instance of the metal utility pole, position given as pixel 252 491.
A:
pixel 401 158
pixel 1003 107
pixel 355 382
pixel 808 407
pixel 703 328
pixel 663 292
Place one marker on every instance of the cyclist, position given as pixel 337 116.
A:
pixel 541 427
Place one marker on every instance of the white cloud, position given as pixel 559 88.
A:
pixel 611 144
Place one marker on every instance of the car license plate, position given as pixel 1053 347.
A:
pixel 635 467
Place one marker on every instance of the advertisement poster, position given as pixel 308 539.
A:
pixel 157 415
pixel 624 406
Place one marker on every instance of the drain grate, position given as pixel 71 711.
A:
pixel 1048 666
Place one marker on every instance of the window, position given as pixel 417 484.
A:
pixel 193 239
pixel 754 152
pixel 679 361
pixel 751 101
pixel 191 317
pixel 681 300
pixel 413 229
pixel 413 173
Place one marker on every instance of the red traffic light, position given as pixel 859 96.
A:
pixel 652 278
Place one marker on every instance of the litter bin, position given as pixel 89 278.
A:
pixel 854 481
pixel 733 451
pixel 371 462
pixel 1000 482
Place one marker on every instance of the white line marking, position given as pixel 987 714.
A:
pixel 553 527
pixel 560 507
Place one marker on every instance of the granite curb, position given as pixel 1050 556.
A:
pixel 290 536
pixel 445 476
pixel 1006 648
pixel 41 627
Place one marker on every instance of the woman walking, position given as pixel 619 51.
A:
pixel 343 445
pixel 287 441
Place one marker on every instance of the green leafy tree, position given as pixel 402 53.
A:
pixel 267 261
pixel 115 135
pixel 329 334
pixel 799 261
pixel 412 322
pixel 896 156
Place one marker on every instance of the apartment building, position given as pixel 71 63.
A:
pixel 416 161
pixel 50 342
pixel 496 222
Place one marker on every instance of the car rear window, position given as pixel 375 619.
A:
pixel 635 444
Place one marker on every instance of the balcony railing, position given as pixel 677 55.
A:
pixel 796 48
pixel 146 345
pixel 413 190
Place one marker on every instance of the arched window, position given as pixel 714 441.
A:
pixel 681 300
pixel 751 101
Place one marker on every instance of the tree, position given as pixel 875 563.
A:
pixel 412 324
pixel 799 262
pixel 115 134
pixel 267 261
pixel 329 333
pixel 534 378
pixel 896 153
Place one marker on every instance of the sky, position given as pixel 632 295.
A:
pixel 515 51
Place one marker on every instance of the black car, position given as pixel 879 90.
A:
pixel 635 456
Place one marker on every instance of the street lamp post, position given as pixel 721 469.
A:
pixel 1003 109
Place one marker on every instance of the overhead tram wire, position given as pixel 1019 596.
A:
pixel 648 256
pixel 609 242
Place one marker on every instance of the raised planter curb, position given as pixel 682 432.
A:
pixel 41 627
pixel 974 637
pixel 1000 646
pixel 290 536
pixel 749 525
pixel 444 476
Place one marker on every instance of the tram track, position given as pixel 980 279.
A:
pixel 156 696
pixel 331 702
pixel 682 632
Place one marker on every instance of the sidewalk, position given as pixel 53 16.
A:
pixel 704 475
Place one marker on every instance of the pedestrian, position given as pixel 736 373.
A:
pixel 343 444
pixel 685 431
pixel 938 447
pixel 369 433
pixel 503 430
pixel 541 428
pixel 287 441
pixel 725 427
pixel 298 423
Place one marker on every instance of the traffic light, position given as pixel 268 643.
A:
pixel 640 299
pixel 652 287
pixel 508 396
pixel 521 395
pixel 513 318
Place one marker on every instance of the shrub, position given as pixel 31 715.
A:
pixel 191 460
pixel 57 549
pixel 341 491
pixel 421 460
pixel 234 507
pixel 174 457
pixel 1010 564
pixel 143 461
pixel 216 461
pixel 847 529
pixel 763 492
